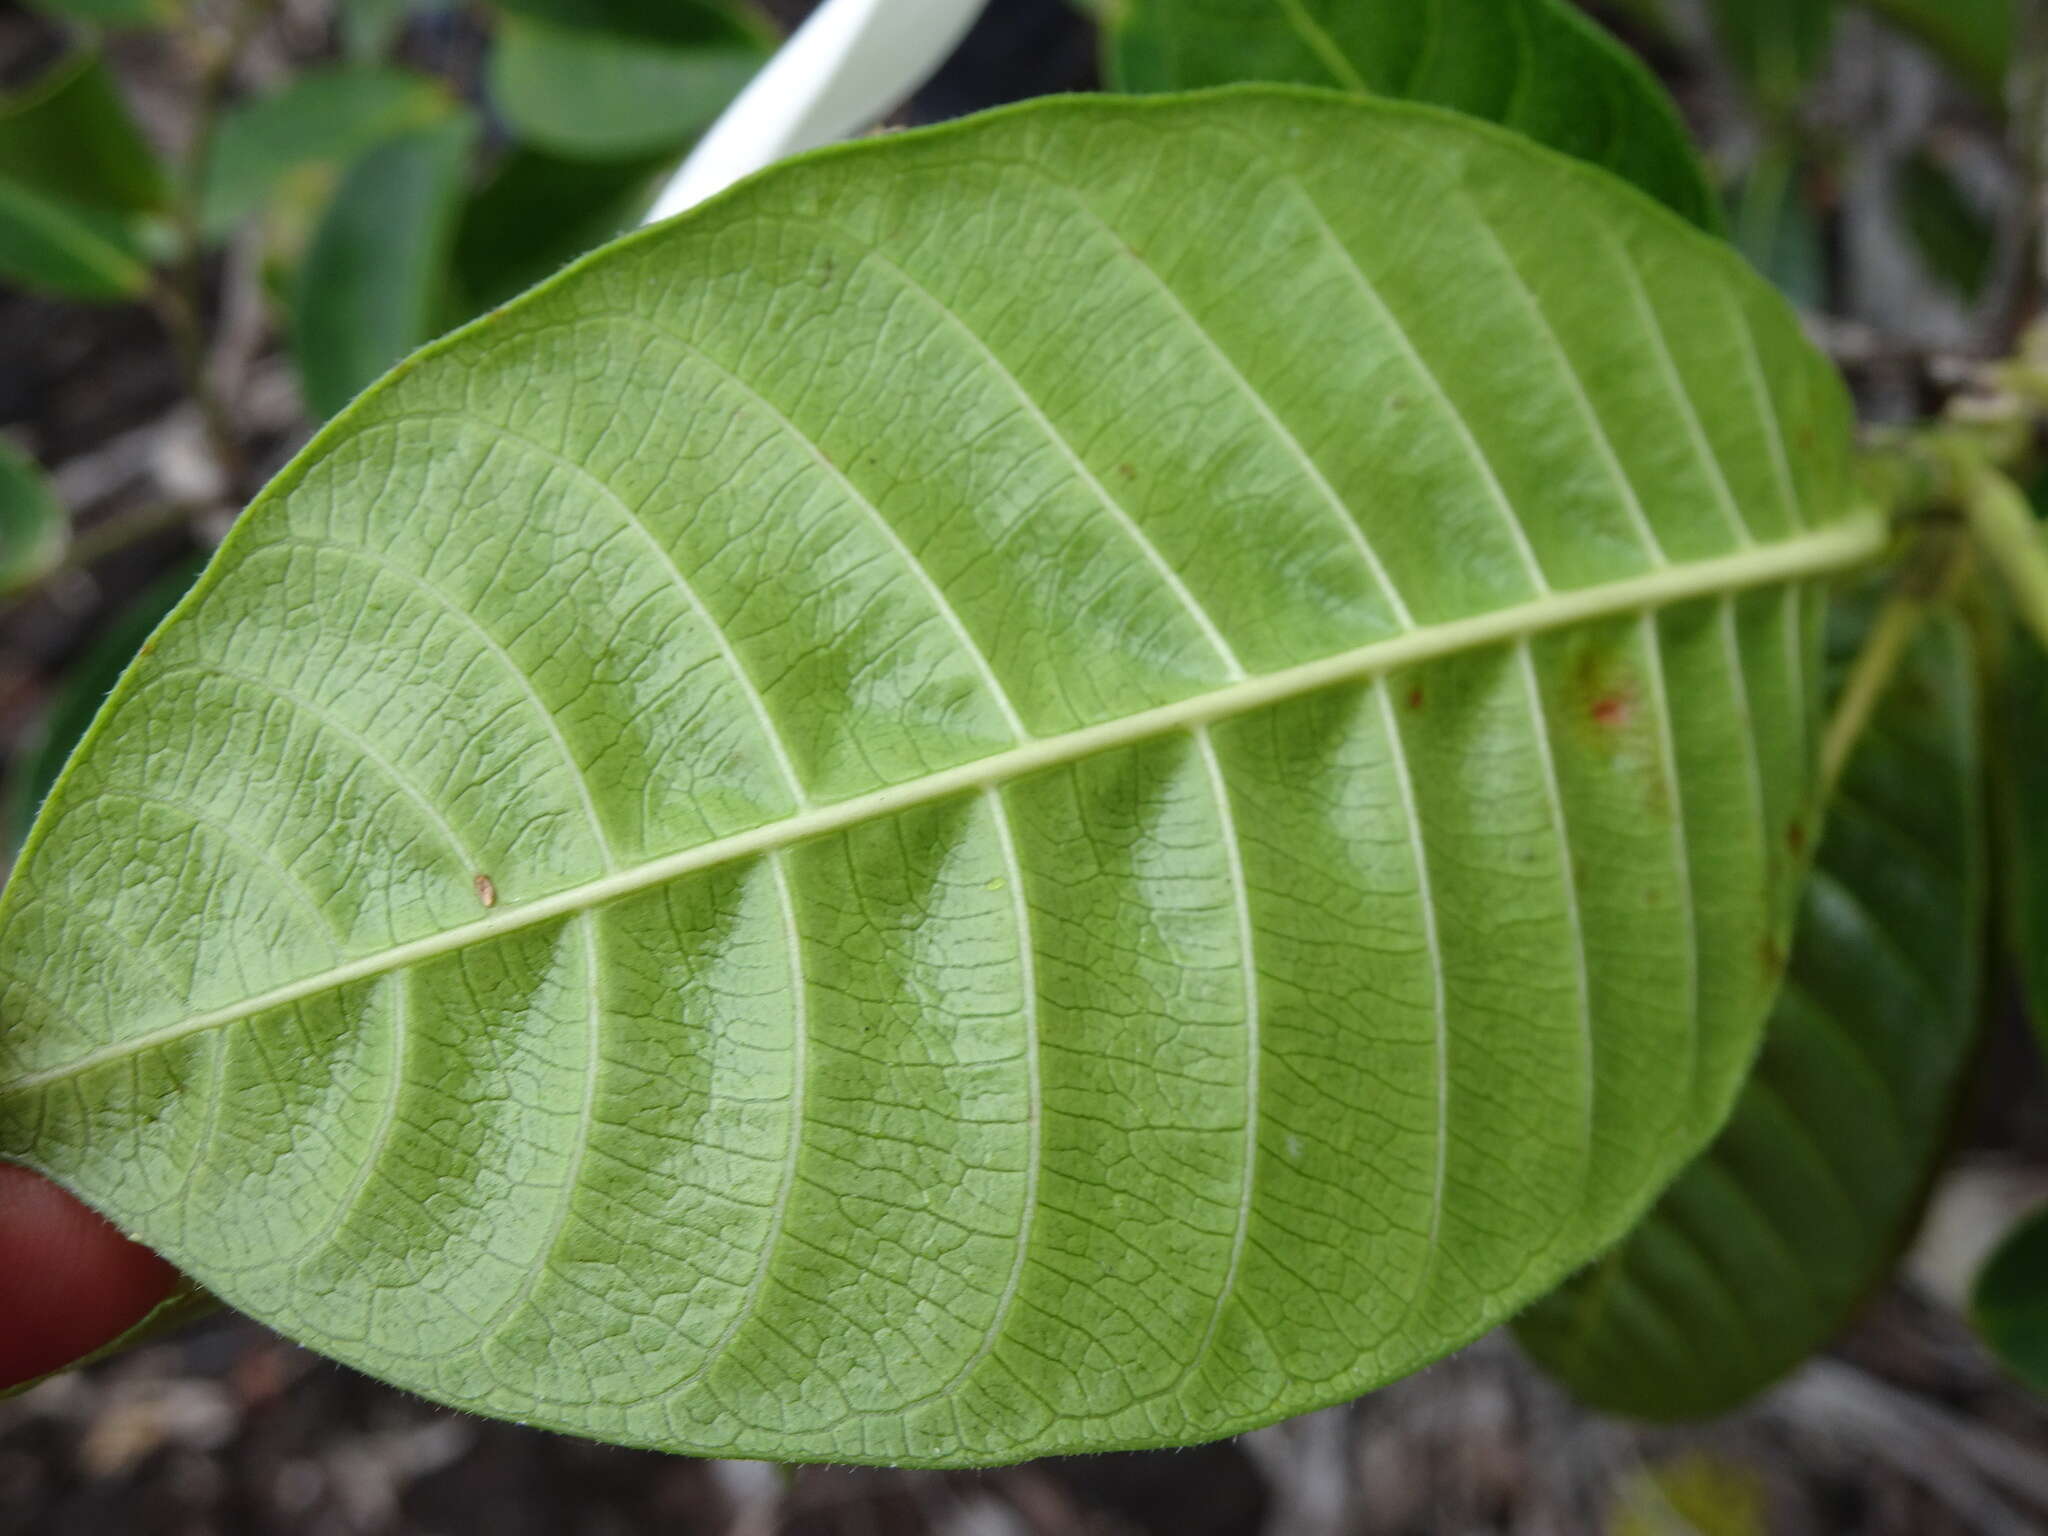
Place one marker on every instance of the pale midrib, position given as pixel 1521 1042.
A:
pixel 1844 546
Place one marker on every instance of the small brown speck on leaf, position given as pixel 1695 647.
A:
pixel 1415 698
pixel 1795 837
pixel 486 892
pixel 1611 709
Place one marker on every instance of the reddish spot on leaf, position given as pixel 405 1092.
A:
pixel 1795 837
pixel 69 1282
pixel 1613 709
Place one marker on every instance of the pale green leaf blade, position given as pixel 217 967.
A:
pixel 1072 781
pixel 371 286
pixel 2009 1303
pixel 68 249
pixel 1764 1248
pixel 1538 66
pixel 606 96
pixel 34 527
pixel 322 118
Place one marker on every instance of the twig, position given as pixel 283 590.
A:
pixel 181 299
pixel 1876 665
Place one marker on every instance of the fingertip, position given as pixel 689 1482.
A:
pixel 69 1281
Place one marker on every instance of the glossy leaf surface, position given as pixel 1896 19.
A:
pixel 1764 1248
pixel 1537 66
pixel 1078 780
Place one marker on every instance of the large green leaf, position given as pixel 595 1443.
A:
pixel 1537 66
pixel 372 285
pixel 1076 780
pixel 2009 1303
pixel 1767 1245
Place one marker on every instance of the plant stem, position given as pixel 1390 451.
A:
pixel 181 300
pixel 1876 664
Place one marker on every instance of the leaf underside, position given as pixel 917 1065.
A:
pixel 1540 67
pixel 1131 760
pixel 1764 1248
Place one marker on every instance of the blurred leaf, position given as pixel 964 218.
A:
pixel 2020 781
pixel 324 117
pixel 2010 1303
pixel 369 27
pixel 114 13
pixel 34 526
pixel 71 137
pixel 68 250
pixel 1537 66
pixel 1776 227
pixel 1696 1496
pixel 1975 36
pixel 603 95
pixel 670 23
pixel 1778 45
pixel 370 288
pixel 86 685
pixel 536 215
pixel 1764 1248
pixel 1957 244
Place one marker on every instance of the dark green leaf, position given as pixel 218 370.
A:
pixel 1955 240
pixel 68 250
pixel 70 137
pixel 670 23
pixel 373 282
pixel 86 685
pixel 1537 66
pixel 1773 223
pixel 2010 1302
pixel 322 119
pixel 2020 777
pixel 1761 1252
pixel 34 526
pixel 1975 36
pixel 114 13
pixel 1779 45
pixel 1070 781
pixel 609 96
pixel 536 215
